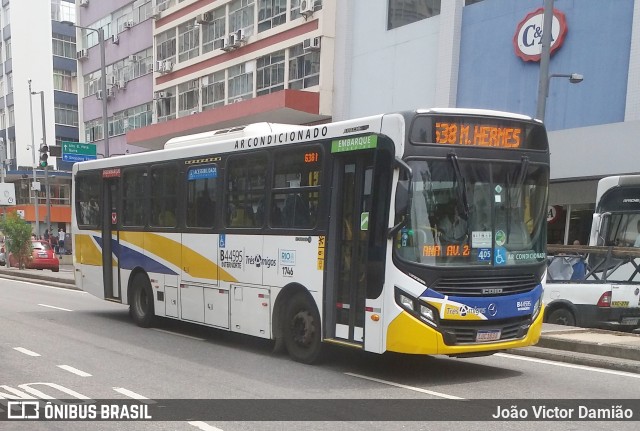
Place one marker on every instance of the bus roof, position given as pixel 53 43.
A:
pixel 480 112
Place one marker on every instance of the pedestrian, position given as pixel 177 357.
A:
pixel 46 235
pixel 61 241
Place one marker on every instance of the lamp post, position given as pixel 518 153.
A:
pixel 103 86
pixel 545 55
pixel 33 153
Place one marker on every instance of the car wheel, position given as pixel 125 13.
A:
pixel 562 316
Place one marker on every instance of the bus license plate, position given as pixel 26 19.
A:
pixel 488 335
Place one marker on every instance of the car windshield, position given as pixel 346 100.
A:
pixel 40 245
pixel 475 213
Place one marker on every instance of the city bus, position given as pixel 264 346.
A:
pixel 419 232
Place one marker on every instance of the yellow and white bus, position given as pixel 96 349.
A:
pixel 418 232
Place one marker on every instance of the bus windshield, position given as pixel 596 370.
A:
pixel 476 213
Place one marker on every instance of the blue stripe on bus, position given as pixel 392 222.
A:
pixel 130 259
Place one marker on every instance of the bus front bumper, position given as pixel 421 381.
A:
pixel 408 334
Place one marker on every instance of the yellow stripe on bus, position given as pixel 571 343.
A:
pixel 86 251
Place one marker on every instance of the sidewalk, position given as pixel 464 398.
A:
pixel 589 347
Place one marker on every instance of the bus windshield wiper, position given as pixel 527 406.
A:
pixel 460 180
pixel 517 187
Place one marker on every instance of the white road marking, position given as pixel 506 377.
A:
pixel 179 334
pixel 25 351
pixel 67 289
pixel 562 364
pixel 204 426
pixel 57 308
pixel 135 396
pixel 411 388
pixel 74 370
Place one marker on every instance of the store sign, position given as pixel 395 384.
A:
pixel 553 213
pixel 527 41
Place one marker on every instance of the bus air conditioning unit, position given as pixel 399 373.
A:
pixel 307 7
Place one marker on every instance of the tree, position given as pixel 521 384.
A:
pixel 18 238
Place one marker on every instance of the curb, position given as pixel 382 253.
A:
pixel 583 359
pixel 605 350
pixel 50 280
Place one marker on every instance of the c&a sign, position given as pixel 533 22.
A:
pixel 527 41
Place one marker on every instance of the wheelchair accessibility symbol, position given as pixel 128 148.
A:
pixel 500 256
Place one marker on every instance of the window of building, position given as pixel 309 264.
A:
pixel 90 38
pixel 188 41
pixel 188 93
pixel 164 195
pixel 213 32
pixel 246 185
pixel 271 13
pixel 121 18
pixel 66 114
pixel 201 195
pixel 142 10
pixel 91 83
pixel 296 188
pixel 93 130
pixel 134 196
pixel 304 68
pixel 166 45
pixel 1 89
pixel 88 201
pixel 12 116
pixel 213 90
pixel 241 13
pixel 7 49
pixel 64 46
pixel 270 73
pixel 9 82
pixel 240 82
pixel 166 104
pixel 62 80
pixel 138 116
pixel 63 10
pixel 3 120
pixel 403 12
pixel 140 63
pixel 116 124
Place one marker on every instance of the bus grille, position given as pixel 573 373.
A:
pixel 464 332
pixel 485 286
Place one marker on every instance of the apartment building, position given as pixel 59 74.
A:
pixel 38 102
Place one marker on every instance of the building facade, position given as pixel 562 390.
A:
pixel 38 103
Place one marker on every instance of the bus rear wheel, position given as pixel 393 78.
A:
pixel 141 305
pixel 302 329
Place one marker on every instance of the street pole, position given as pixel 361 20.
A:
pixel 543 82
pixel 46 169
pixel 103 71
pixel 33 153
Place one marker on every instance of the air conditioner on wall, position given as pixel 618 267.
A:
pixel 84 3
pixel 115 39
pixel 307 7
pixel 167 66
pixel 128 24
pixel 312 44
pixel 204 18
pixel 82 54
pixel 99 94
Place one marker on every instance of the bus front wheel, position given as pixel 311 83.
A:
pixel 302 329
pixel 141 305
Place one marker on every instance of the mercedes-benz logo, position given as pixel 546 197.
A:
pixel 493 310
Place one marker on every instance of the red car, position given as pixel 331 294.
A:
pixel 42 257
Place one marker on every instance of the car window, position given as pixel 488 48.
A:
pixel 39 245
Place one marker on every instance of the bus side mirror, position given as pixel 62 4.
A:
pixel 599 227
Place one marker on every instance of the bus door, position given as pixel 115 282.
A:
pixel 111 238
pixel 347 276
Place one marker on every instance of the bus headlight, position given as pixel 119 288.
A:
pixel 426 312
pixel 406 302
pixel 536 309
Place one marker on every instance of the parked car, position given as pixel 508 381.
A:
pixel 42 257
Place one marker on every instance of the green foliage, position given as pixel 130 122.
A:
pixel 18 237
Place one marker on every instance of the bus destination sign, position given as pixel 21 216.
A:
pixel 465 132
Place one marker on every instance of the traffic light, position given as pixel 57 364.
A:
pixel 44 155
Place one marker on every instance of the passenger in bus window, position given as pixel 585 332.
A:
pixel 637 243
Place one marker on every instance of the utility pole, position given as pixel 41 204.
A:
pixel 33 153
pixel 46 169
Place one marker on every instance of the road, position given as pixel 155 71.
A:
pixel 68 344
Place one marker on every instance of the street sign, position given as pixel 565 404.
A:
pixel 7 194
pixel 78 152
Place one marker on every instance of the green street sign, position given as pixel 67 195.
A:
pixel 78 151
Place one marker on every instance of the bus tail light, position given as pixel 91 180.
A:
pixel 605 300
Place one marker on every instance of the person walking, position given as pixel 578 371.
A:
pixel 61 241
